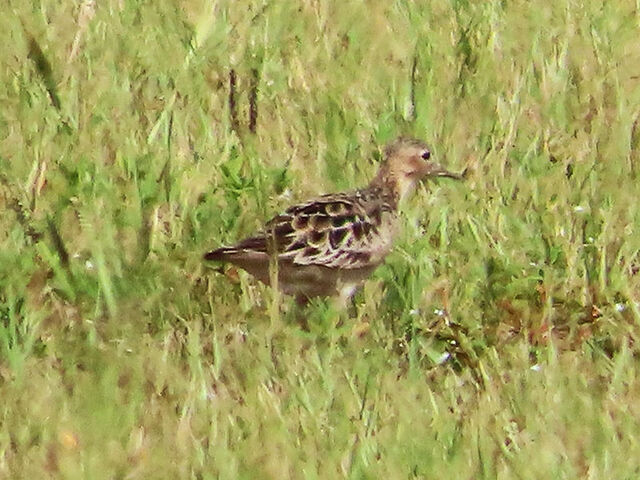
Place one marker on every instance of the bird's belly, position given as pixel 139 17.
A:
pixel 316 280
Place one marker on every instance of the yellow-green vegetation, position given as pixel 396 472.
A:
pixel 498 341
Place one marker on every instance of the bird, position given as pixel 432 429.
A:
pixel 329 245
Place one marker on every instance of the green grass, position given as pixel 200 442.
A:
pixel 499 340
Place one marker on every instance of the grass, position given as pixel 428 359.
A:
pixel 499 340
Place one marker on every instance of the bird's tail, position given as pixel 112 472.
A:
pixel 220 254
pixel 252 245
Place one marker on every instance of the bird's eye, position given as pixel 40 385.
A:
pixel 426 155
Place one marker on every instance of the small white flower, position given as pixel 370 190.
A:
pixel 443 358
pixel 286 194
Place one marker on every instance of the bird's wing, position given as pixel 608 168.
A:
pixel 336 231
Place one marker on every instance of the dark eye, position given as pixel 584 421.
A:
pixel 426 155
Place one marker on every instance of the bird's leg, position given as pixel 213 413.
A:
pixel 302 301
pixel 276 301
pixel 344 301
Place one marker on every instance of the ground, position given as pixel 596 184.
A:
pixel 497 341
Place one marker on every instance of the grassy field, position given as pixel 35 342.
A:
pixel 498 340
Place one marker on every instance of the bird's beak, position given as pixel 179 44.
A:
pixel 436 170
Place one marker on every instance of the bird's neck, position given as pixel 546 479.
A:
pixel 394 188
pixel 385 186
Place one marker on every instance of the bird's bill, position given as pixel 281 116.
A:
pixel 438 171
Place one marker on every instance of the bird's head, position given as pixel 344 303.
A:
pixel 407 162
